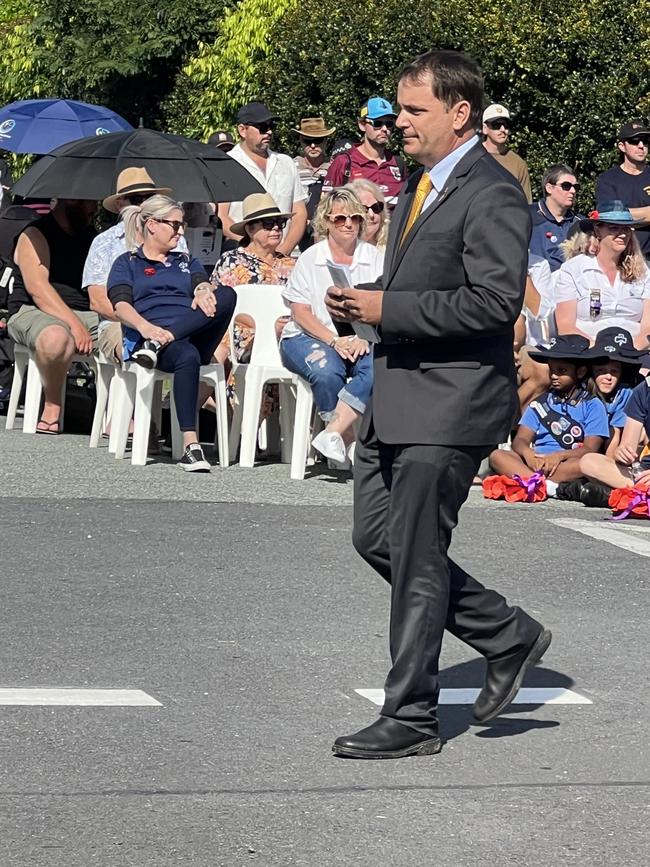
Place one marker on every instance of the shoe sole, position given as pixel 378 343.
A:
pixel 535 655
pixel 145 361
pixel 195 469
pixel 425 748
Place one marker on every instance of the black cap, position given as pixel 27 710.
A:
pixel 633 129
pixel 255 112
pixel 222 139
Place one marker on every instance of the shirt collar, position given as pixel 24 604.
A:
pixel 139 252
pixel 440 173
pixel 569 216
pixel 361 255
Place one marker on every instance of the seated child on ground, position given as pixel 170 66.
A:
pixel 615 377
pixel 561 425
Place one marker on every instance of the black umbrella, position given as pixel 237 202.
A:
pixel 88 168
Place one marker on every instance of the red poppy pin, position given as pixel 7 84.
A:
pixel 549 234
pixel 594 215
pixel 149 272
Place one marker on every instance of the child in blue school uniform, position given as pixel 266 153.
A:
pixel 562 424
pixel 615 378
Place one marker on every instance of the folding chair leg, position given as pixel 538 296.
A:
pixel 33 394
pixel 301 429
pixel 250 418
pixel 21 360
pixel 142 419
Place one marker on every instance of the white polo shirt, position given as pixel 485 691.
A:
pixel 621 304
pixel 310 279
pixel 281 181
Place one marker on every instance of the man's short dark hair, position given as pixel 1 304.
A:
pixel 553 174
pixel 455 77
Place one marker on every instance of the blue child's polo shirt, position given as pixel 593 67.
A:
pixel 590 413
pixel 616 408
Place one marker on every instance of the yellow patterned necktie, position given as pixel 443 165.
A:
pixel 422 190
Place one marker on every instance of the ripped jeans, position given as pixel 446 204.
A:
pixel 331 377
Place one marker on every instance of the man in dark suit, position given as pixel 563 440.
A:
pixel 444 394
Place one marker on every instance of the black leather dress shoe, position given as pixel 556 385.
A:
pixel 570 490
pixel 595 495
pixel 386 739
pixel 504 678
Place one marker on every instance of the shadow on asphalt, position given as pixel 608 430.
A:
pixel 456 720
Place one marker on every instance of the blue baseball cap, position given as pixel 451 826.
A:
pixel 376 107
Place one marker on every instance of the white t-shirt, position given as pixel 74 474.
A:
pixel 310 279
pixel 540 328
pixel 281 181
pixel 621 304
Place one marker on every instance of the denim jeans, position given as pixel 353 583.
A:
pixel 197 336
pixel 331 377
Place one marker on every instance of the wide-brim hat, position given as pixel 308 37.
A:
pixel 614 213
pixel 617 345
pixel 568 347
pixel 258 206
pixel 314 127
pixel 130 182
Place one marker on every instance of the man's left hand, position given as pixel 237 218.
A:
pixel 355 305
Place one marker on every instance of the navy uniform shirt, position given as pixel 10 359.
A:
pixel 161 292
pixel 548 233
pixel 632 190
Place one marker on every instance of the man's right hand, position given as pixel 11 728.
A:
pixel 82 338
pixel 155 332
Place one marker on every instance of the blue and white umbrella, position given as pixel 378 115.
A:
pixel 37 126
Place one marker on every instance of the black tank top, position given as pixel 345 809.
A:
pixel 67 257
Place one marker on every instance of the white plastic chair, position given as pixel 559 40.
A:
pixel 137 388
pixel 106 372
pixel 264 304
pixel 25 366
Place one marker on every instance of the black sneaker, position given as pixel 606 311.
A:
pixel 570 490
pixel 595 495
pixel 193 460
pixel 147 355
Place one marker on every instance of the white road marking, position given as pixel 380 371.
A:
pixel 526 695
pixel 615 534
pixel 78 697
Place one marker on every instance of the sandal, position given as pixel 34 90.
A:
pixel 49 428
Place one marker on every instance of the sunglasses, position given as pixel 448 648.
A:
pixel 497 124
pixel 313 141
pixel 638 140
pixel 376 207
pixel 339 220
pixel 176 225
pixel 266 126
pixel 269 223
pixel 379 122
pixel 567 185
pixel 138 198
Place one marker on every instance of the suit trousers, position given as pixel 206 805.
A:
pixel 406 504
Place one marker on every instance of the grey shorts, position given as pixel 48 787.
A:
pixel 25 326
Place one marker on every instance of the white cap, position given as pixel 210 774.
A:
pixel 494 111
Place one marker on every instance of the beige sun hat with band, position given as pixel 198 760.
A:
pixel 133 181
pixel 258 206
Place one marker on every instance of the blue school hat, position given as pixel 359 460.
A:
pixel 569 347
pixel 618 345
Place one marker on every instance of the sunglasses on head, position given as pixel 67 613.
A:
pixel 639 140
pixel 567 185
pixel 270 223
pixel 377 123
pixel 339 220
pixel 376 207
pixel 264 127
pixel 497 124
pixel 176 225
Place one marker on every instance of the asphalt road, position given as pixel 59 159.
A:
pixel 236 601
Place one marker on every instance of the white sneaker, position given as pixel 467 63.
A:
pixel 351 452
pixel 331 445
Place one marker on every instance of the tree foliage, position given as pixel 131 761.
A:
pixel 570 70
pixel 226 73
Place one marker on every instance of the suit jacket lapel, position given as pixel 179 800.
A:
pixel 454 180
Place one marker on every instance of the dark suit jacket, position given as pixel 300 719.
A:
pixel 444 370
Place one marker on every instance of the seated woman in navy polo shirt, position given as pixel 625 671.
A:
pixel 172 316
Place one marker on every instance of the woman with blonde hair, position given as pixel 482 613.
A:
pixel 608 283
pixel 173 318
pixel 377 217
pixel 339 369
